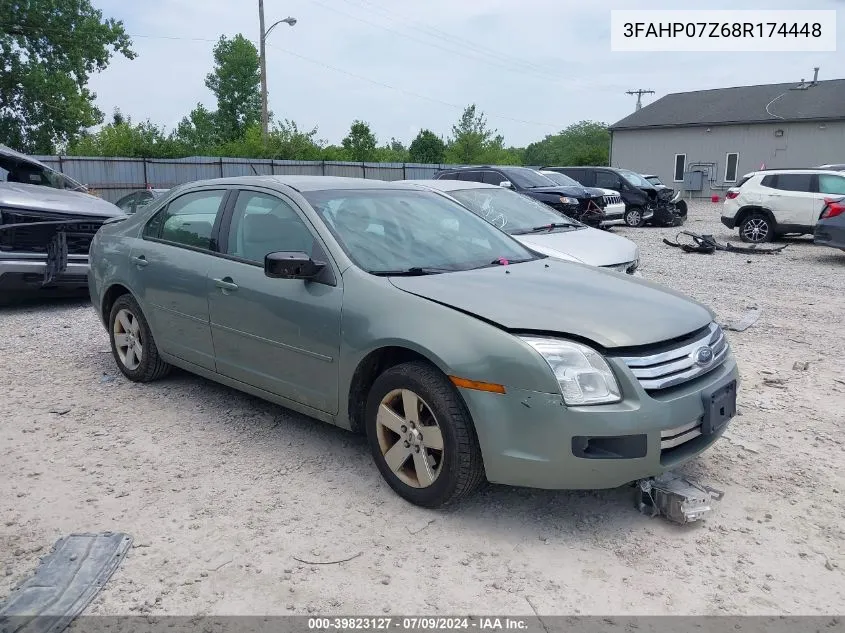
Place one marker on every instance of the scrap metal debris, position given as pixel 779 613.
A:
pixel 708 245
pixel 65 582
pixel 747 320
pixel 677 499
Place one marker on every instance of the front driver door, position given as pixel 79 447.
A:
pixel 280 335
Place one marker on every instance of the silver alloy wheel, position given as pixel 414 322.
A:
pixel 755 230
pixel 410 438
pixel 127 339
pixel 633 217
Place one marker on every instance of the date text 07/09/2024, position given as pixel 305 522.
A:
pixel 416 623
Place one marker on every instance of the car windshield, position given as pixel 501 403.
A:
pixel 398 231
pixel 654 180
pixel 635 179
pixel 512 212
pixel 22 171
pixel 527 178
pixel 561 179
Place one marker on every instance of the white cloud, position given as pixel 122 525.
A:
pixel 543 62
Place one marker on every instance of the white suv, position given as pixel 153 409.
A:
pixel 766 204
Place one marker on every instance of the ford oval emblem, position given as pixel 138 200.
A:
pixel 703 356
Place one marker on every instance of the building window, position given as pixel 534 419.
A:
pixel 731 162
pixel 680 167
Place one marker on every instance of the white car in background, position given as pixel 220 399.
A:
pixel 614 209
pixel 539 227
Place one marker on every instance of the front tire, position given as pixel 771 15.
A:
pixel 422 437
pixel 132 343
pixel 756 228
pixel 634 217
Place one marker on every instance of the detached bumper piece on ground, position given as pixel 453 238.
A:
pixel 66 582
pixel 675 498
pixel 708 245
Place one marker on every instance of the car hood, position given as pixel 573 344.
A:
pixel 551 296
pixel 41 198
pixel 587 245
pixel 561 190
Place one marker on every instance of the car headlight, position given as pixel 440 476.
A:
pixel 582 373
pixel 568 200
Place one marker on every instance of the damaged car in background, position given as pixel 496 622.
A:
pixel 47 221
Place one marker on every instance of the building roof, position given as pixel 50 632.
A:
pixel 743 104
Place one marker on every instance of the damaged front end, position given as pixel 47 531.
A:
pixel 668 209
pixel 37 244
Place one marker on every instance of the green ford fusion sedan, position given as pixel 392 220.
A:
pixel 394 311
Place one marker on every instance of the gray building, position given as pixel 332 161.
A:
pixel 704 141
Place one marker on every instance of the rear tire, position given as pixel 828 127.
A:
pixel 756 228
pixel 132 343
pixel 634 217
pixel 404 443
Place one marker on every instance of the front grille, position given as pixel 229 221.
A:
pixel 612 200
pixel 680 364
pixel 34 239
pixel 670 438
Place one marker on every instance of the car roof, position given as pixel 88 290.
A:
pixel 473 167
pixel 302 183
pixel 450 185
pixel 790 170
pixel 8 152
pixel 553 167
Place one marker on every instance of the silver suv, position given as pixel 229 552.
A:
pixel 47 221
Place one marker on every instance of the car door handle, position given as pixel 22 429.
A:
pixel 226 284
pixel 140 261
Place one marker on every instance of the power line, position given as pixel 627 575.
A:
pixel 338 70
pixel 522 65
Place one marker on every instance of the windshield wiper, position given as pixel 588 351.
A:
pixel 547 227
pixel 414 271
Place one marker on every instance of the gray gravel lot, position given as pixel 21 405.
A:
pixel 221 491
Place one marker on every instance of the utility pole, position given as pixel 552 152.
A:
pixel 262 53
pixel 640 94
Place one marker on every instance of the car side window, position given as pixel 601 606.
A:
pixel 127 203
pixel 795 182
pixel 607 180
pixel 493 178
pixel 264 223
pixel 188 220
pixel 583 176
pixel 472 176
pixel 770 181
pixel 831 184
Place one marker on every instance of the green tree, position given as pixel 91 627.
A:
pixel 197 133
pixel 235 81
pixel 122 137
pixel 472 141
pixel 393 152
pixel 48 51
pixel 360 143
pixel 582 143
pixel 427 147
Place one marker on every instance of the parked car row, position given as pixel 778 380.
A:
pixel 463 352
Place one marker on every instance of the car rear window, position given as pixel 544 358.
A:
pixel 745 179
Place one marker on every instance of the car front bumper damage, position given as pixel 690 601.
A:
pixel 533 439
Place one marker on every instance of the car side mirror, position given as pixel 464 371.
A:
pixel 291 265
pixel 506 184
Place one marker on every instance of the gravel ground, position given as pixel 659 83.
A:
pixel 223 492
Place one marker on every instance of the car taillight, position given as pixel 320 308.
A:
pixel 731 194
pixel 833 207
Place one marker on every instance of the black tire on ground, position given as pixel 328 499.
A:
pixel 151 366
pixel 462 470
pixel 634 217
pixel 682 207
pixel 756 228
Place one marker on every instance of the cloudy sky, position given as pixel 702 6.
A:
pixel 533 66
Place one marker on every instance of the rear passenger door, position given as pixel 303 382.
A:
pixel 170 273
pixel 583 176
pixel 280 335
pixel 793 201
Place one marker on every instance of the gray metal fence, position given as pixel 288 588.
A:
pixel 113 178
